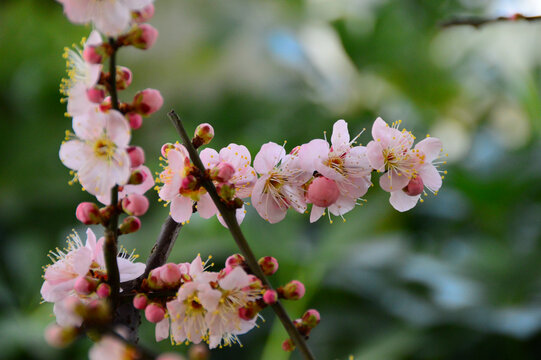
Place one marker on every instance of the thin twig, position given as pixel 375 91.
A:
pixel 161 250
pixel 477 22
pixel 230 219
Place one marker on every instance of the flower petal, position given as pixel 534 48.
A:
pixel 374 154
pixel 118 129
pixel 206 207
pixel 340 135
pixel 267 158
pixel 162 330
pixel 402 201
pixel 431 177
pixel 316 213
pixel 181 208
pixel 393 181
pixel 74 153
pixel 431 147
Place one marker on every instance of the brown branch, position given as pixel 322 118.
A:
pixel 161 250
pixel 230 219
pixel 477 22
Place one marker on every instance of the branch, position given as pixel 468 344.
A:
pixel 233 226
pixel 477 22
pixel 161 250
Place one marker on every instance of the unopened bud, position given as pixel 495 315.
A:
pixel 288 345
pixel 147 101
pixel 222 172
pixel 204 133
pixel 154 280
pixel 234 261
pixel 140 301
pixel 106 104
pixel 323 192
pixel 137 177
pixel 268 264
pixel 95 94
pixel 270 297
pixel 60 337
pixel 311 318
pixel 294 290
pixel 85 285
pixel 135 204
pixel 198 352
pixel 130 225
pixel 255 282
pixel 143 15
pixel 93 54
pixel 142 37
pixel 103 290
pixel 154 313
pixel 189 183
pixel 170 274
pixel 137 156
pixel 88 213
pixel 415 186
pixel 135 120
pixel 123 77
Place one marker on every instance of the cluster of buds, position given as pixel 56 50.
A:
pixel 309 320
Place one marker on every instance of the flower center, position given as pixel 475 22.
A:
pixel 193 305
pixel 104 148
pixel 336 163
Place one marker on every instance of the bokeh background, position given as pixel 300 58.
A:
pixel 458 277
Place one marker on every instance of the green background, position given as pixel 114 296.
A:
pixel 458 277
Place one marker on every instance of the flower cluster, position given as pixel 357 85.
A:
pixel 332 177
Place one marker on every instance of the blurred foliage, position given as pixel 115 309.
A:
pixel 457 277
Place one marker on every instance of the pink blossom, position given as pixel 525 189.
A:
pixel 126 190
pixel 98 151
pixel 82 78
pixel 280 184
pixel 110 17
pixel 111 348
pixel 344 168
pixel 425 174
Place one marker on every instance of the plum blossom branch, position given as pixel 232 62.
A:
pixel 478 22
pixel 161 250
pixel 233 226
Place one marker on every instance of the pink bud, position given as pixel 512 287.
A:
pixel 144 15
pixel 106 104
pixel 130 225
pixel 294 290
pixel 88 213
pixel 147 101
pixel 135 120
pixel 137 177
pixel 222 172
pixel 137 156
pixel 140 301
pixel 288 345
pixel 170 274
pixel 268 264
pixel 415 186
pixel 154 313
pixel 234 260
pixel 92 54
pixel 204 133
pixel 142 37
pixel 270 297
pixel 188 183
pixel 255 282
pixel 135 204
pixel 95 95
pixel 311 318
pixel 123 77
pixel 247 313
pixel 323 192
pixel 103 291
pixel 59 337
pixel 154 280
pixel 84 285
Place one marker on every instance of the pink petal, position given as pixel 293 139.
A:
pixel 170 190
pixel 236 279
pixel 206 207
pixel 74 153
pixel 236 155
pixel 209 157
pixel 381 132
pixel 129 270
pixel 90 125
pixel 316 213
pixel 78 102
pixel 244 181
pixel 94 39
pixel 393 181
pixel 118 129
pixel 77 11
pixel 269 155
pixel 175 159
pixel 402 201
pixel 312 153
pixel 295 197
pixel 266 206
pixel 162 330
pixel 111 17
pixel 343 205
pixel 181 208
pixel 136 4
pixel 431 177
pixel 239 214
pixel 340 135
pixel 374 154
pixel 431 147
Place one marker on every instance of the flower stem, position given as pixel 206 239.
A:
pixel 111 231
pixel 230 219
pixel 478 22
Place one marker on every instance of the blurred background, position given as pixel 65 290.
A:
pixel 458 277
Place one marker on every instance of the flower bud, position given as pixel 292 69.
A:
pixel 95 94
pixel 59 337
pixel 154 313
pixel 270 297
pixel 135 120
pixel 247 313
pixel 88 213
pixel 140 301
pixel 103 290
pixel 93 54
pixel 147 101
pixel 311 318
pixel 137 177
pixel 198 352
pixel 170 274
pixel 97 312
pixel 415 186
pixel 137 156
pixel 294 290
pixel 203 135
pixel 268 264
pixel 288 345
pixel 123 77
pixel 322 192
pixel 165 149
pixel 226 191
pixel 142 37
pixel 135 204
pixel 130 225
pixel 85 285
pixel 106 104
pixel 234 261
pixel 222 172
pixel 154 280
pixel 255 282
pixel 143 15
pixel 189 183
